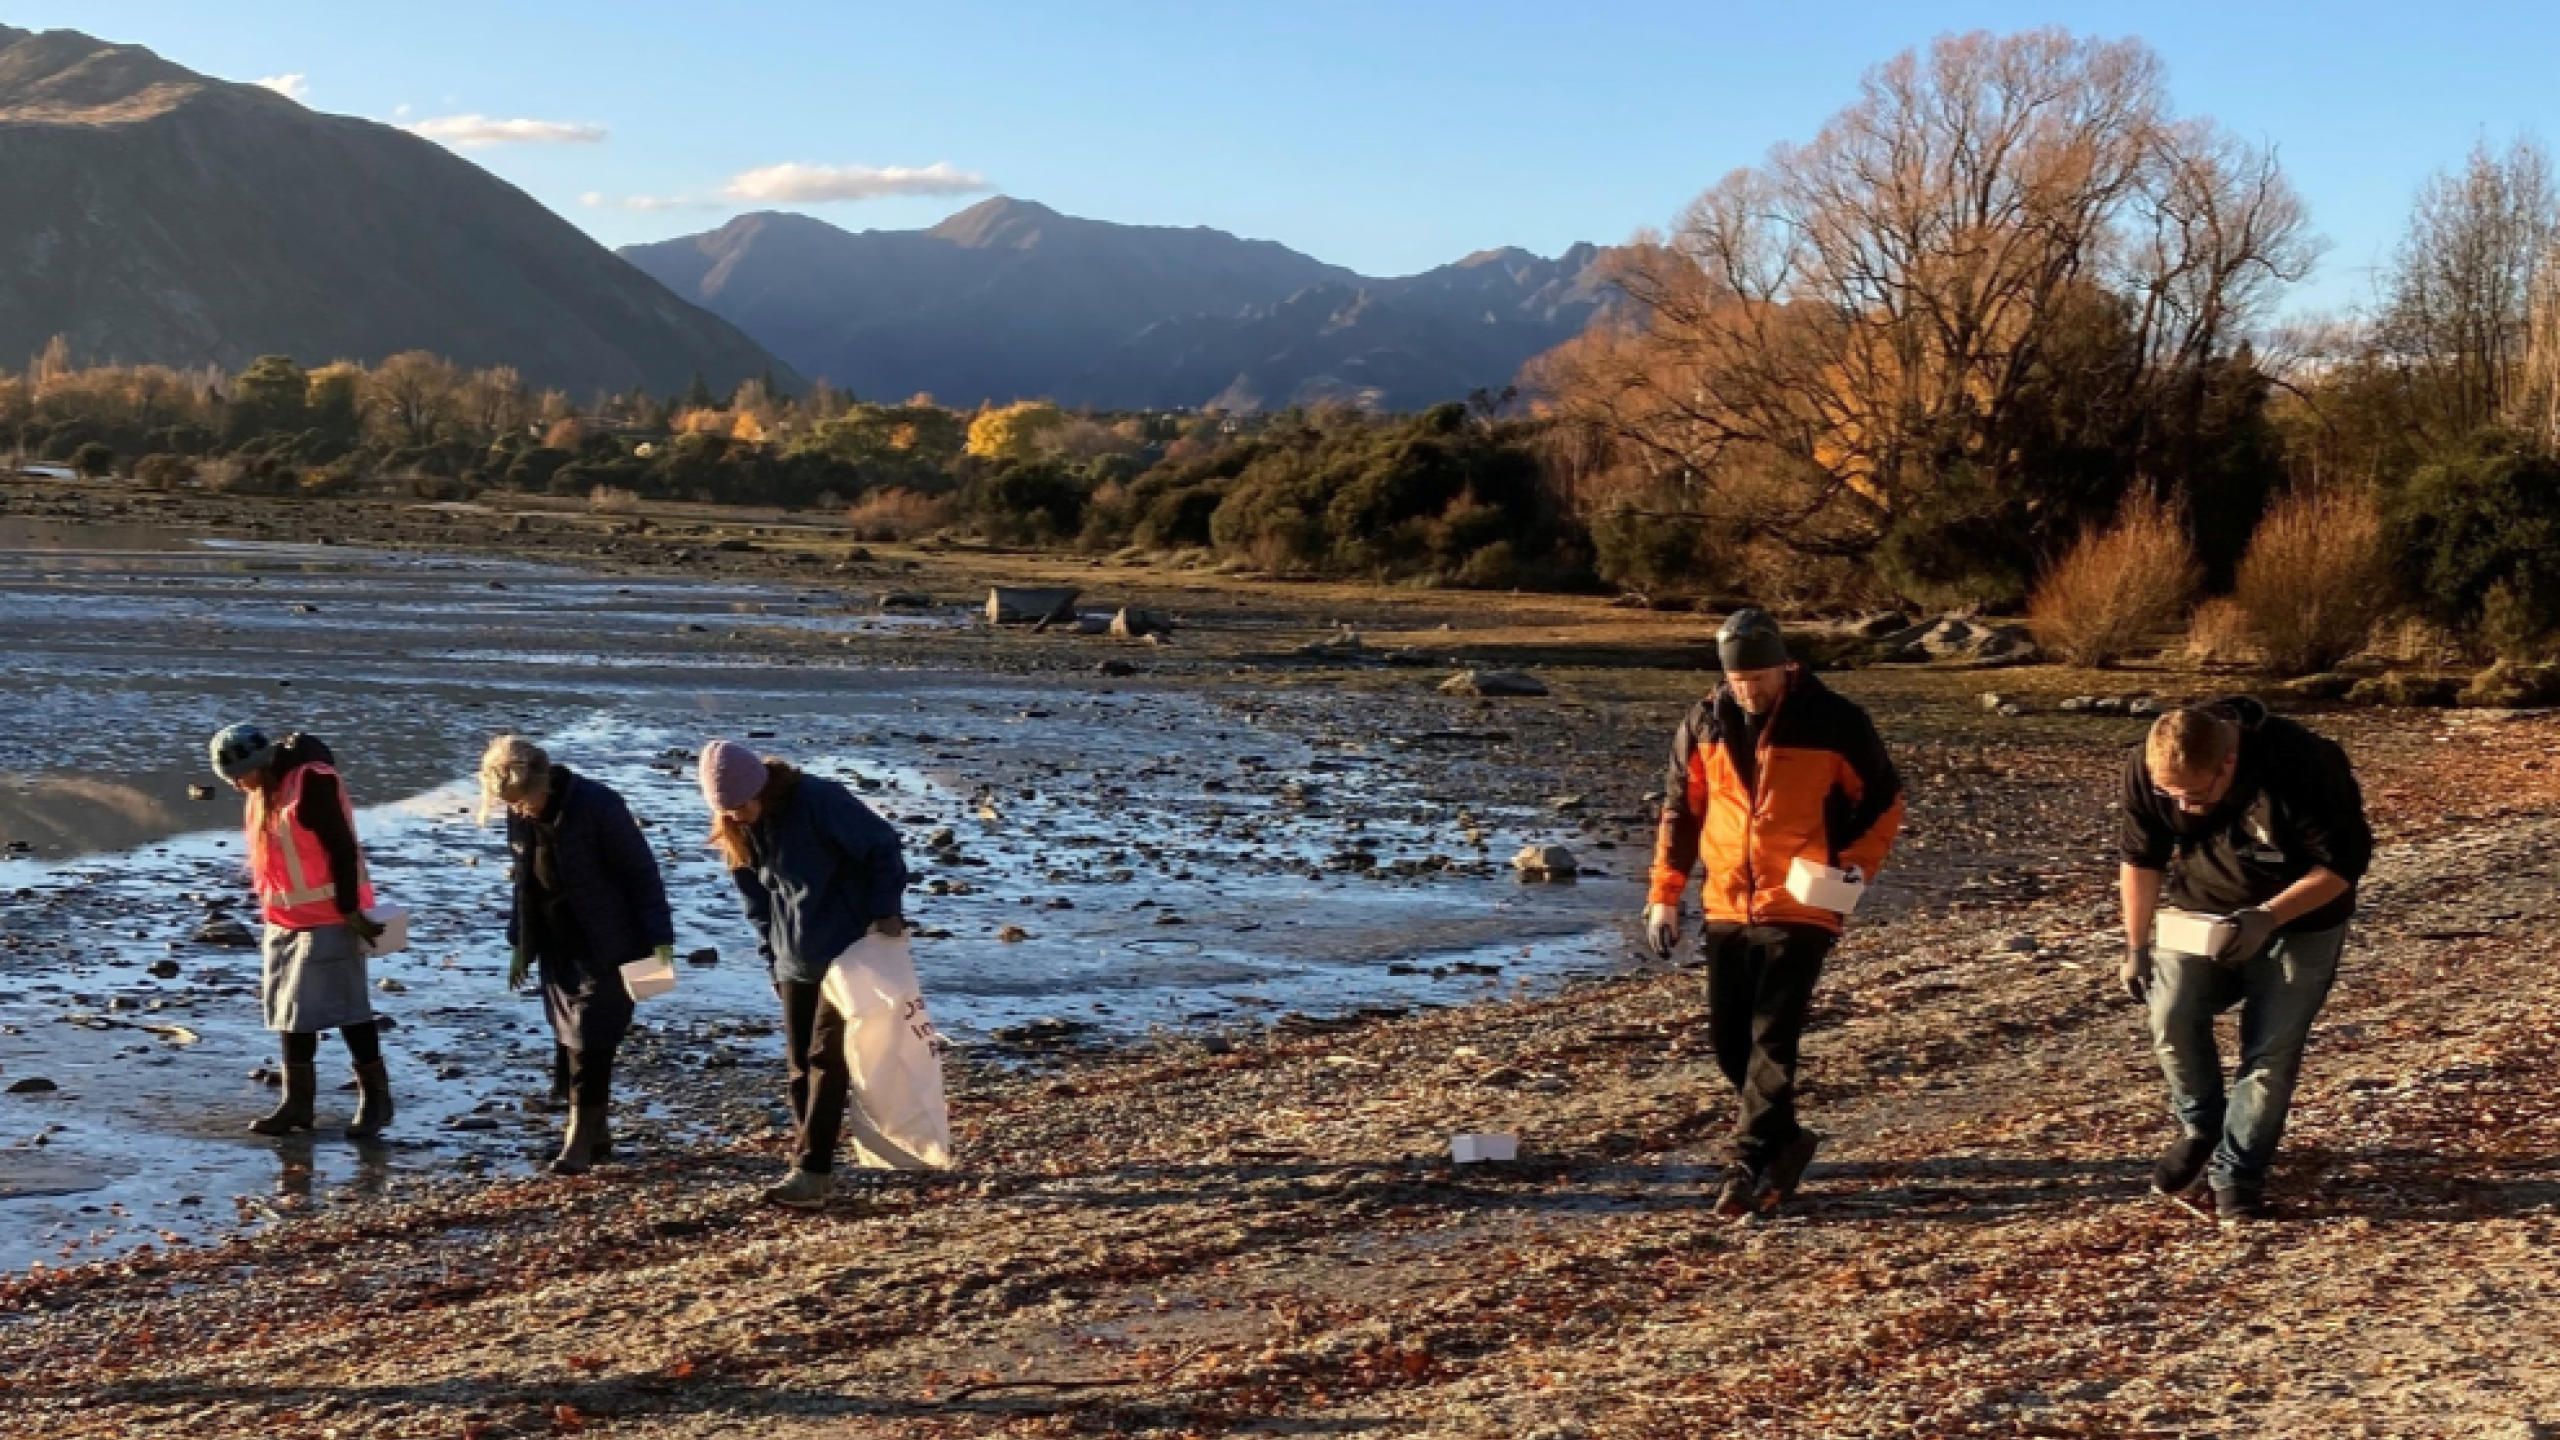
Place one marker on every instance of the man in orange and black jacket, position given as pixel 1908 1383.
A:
pixel 1771 768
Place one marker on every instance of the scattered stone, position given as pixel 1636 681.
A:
pixel 1545 863
pixel 1046 1030
pixel 1013 935
pixel 2327 687
pixel 1993 701
pixel 1493 684
pixel 705 957
pixel 225 931
pixel 164 970
pixel 33 1085
pixel 906 600
pixel 199 792
pixel 1116 669
pixel 2077 704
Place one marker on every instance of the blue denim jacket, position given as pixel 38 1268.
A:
pixel 825 867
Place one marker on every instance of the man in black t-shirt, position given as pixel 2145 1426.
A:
pixel 2230 811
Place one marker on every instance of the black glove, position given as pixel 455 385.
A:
pixel 2252 931
pixel 364 927
pixel 2136 973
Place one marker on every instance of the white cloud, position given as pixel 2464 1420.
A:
pixel 818 183
pixel 295 87
pixel 598 200
pixel 475 132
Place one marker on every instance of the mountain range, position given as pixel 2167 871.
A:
pixel 1010 299
pixel 155 215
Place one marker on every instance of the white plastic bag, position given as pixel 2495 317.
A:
pixel 897 1119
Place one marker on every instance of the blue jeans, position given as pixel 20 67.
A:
pixel 2279 993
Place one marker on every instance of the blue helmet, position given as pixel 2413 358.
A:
pixel 241 750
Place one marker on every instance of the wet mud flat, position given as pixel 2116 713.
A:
pixel 1097 862
pixel 1265 1236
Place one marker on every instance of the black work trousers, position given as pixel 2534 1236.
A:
pixel 1760 982
pixel 813 1037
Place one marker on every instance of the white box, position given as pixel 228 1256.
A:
pixel 1824 888
pixel 394 920
pixel 1473 1149
pixel 2184 932
pixel 646 978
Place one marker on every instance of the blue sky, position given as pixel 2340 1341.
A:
pixel 1386 136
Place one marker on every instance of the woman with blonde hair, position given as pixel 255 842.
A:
pixel 818 870
pixel 588 900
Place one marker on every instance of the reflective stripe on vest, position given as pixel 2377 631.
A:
pixel 283 867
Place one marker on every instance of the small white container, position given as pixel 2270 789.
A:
pixel 394 920
pixel 1823 887
pixel 2184 932
pixel 647 978
pixel 1476 1149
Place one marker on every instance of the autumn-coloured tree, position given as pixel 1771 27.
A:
pixel 412 396
pixel 2006 264
pixel 1014 432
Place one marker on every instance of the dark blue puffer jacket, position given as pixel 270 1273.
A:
pixel 825 867
pixel 610 889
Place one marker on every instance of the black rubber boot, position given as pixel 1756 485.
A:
pixel 373 1105
pixel 301 1082
pixel 585 1144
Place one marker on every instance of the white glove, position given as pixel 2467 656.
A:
pixel 1662 929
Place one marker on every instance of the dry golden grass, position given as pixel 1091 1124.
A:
pixel 2118 586
pixel 2219 635
pixel 2316 580
pixel 897 515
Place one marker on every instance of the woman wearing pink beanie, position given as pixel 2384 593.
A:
pixel 818 870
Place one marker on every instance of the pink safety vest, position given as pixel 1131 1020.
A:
pixel 290 868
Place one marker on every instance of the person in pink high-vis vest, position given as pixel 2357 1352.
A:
pixel 312 889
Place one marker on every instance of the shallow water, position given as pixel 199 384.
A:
pixel 1175 857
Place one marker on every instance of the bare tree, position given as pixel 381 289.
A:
pixel 2458 303
pixel 1999 226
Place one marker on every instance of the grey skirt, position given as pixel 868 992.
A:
pixel 314 979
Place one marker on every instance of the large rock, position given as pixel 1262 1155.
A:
pixel 1018 605
pixel 1135 624
pixel 2401 690
pixel 1954 641
pixel 2512 687
pixel 1545 863
pixel 1492 684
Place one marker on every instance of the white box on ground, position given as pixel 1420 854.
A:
pixel 1823 887
pixel 650 977
pixel 394 920
pixel 1474 1149
pixel 2184 932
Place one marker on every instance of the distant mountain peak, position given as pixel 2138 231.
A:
pixel 1000 223
pixel 1011 300
pixel 62 77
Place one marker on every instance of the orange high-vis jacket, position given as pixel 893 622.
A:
pixel 287 863
pixel 1821 788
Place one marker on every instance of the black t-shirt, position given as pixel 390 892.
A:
pixel 2293 805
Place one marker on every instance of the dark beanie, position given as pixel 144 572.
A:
pixel 1749 640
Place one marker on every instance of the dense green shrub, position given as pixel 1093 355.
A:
pixel 2487 524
